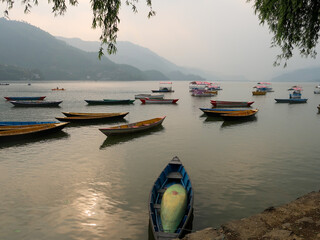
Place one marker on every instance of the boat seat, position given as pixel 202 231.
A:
pixel 174 175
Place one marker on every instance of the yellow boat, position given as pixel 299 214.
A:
pixel 240 114
pixel 133 127
pixel 258 93
pixel 28 132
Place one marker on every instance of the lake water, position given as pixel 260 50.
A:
pixel 79 184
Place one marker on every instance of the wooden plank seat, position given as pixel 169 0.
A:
pixel 174 175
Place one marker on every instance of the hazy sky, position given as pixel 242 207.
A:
pixel 221 36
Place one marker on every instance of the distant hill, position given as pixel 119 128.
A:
pixel 301 75
pixel 18 73
pixel 27 47
pixel 140 57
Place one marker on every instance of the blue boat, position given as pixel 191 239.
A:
pixel 291 100
pixel 295 97
pixel 11 123
pixel 19 125
pixel 171 202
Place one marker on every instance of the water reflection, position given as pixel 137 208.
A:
pixel 118 139
pixel 213 119
pixel 46 138
pixel 96 122
pixel 233 123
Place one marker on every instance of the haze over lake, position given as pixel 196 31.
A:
pixel 79 184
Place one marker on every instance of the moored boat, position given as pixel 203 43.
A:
pixel 133 127
pixel 171 202
pixel 240 115
pixel 18 125
pixel 23 123
pixel 92 118
pixel 78 114
pixel 29 132
pixel 36 103
pixel 109 101
pixel 164 87
pixel 216 112
pixel 58 89
pixel 159 101
pixel 24 98
pixel 291 100
pixel 259 92
pixel 230 103
pixel 150 96
pixel 203 93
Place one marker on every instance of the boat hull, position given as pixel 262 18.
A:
pixel 159 101
pixel 142 96
pixel 36 103
pixel 24 98
pixel 133 127
pixel 27 133
pixel 180 210
pixel 240 115
pixel 216 112
pixel 160 91
pixel 291 100
pixel 231 104
pixel 257 93
pixel 108 102
pixel 97 118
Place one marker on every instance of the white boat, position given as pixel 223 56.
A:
pixel 158 101
pixel 266 86
pixel 150 96
pixel 202 93
pixel 164 87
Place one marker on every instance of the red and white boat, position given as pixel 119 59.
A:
pixel 230 103
pixel 159 101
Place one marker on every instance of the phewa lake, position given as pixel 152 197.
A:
pixel 80 184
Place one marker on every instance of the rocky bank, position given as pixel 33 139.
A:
pixel 297 220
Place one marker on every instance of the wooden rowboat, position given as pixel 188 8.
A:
pixel 24 98
pixel 291 100
pixel 109 102
pixel 133 127
pixel 15 123
pixel 259 93
pixel 157 96
pixel 18 125
pixel 240 115
pixel 93 118
pixel 36 103
pixel 171 202
pixel 30 132
pixel 77 114
pixel 159 101
pixel 230 104
pixel 216 112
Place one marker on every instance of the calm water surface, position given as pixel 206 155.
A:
pixel 79 184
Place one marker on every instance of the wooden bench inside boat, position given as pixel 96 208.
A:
pixel 174 175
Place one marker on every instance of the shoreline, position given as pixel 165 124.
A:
pixel 297 220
